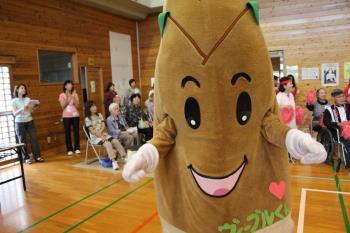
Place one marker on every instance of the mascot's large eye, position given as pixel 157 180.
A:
pixel 192 113
pixel 244 108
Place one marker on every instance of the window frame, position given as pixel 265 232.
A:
pixel 8 62
pixel 75 68
pixel 9 65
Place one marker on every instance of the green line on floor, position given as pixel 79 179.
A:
pixel 69 206
pixel 108 206
pixel 341 201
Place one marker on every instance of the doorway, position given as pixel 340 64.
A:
pixel 92 86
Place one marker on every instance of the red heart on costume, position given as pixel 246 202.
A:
pixel 278 189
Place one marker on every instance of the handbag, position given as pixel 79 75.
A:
pixel 143 124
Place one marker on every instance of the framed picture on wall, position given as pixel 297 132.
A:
pixel 330 74
pixel 312 73
pixel 346 71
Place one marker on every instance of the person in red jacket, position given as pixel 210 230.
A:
pixel 346 92
pixel 110 93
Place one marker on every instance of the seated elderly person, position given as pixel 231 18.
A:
pixel 334 117
pixel 118 129
pixel 318 108
pixel 135 114
pixel 150 106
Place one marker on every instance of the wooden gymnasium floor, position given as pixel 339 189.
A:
pixel 61 198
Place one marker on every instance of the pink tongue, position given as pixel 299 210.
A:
pixel 221 192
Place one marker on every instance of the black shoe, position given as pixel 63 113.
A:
pixel 328 162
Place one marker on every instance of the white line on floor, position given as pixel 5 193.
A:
pixel 303 205
pixel 319 178
pixel 327 191
pixel 302 211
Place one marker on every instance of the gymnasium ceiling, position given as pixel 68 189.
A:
pixel 295 18
pixel 310 30
pixel 298 16
pixel 132 9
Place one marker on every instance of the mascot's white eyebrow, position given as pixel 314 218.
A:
pixel 238 76
pixel 190 79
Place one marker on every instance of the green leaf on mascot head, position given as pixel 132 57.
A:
pixel 162 21
pixel 254 5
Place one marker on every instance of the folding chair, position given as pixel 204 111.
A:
pixel 95 147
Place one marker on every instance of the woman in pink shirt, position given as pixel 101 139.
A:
pixel 70 102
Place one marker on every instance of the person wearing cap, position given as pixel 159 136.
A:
pixel 285 99
pixel 336 115
pixel 338 112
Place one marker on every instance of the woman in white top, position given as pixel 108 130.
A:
pixel 285 99
pixel 23 107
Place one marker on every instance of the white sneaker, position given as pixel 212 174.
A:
pixel 115 165
pixel 70 153
pixel 28 161
pixel 77 152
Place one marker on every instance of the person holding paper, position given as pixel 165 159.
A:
pixel 23 107
pixel 69 101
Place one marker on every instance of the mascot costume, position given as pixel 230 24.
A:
pixel 219 151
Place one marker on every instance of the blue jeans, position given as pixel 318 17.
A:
pixel 22 129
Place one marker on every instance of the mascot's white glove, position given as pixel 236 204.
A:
pixel 301 146
pixel 144 161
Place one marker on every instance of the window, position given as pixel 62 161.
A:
pixel 7 130
pixel 56 67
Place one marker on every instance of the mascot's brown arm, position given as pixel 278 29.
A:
pixel 164 136
pixel 273 129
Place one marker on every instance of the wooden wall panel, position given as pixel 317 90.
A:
pixel 27 25
pixel 149 40
pixel 310 32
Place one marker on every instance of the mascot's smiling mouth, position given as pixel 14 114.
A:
pixel 218 186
